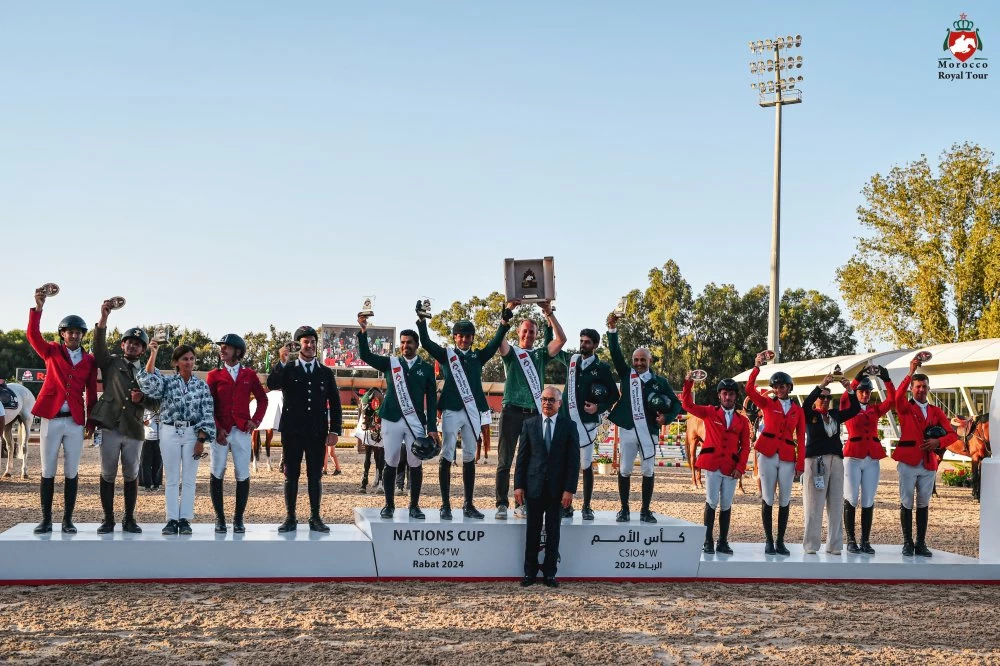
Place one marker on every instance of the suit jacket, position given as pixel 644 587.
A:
pixel 598 372
pixel 419 380
pixel 540 472
pixel 64 382
pixel 621 415
pixel 232 398
pixel 115 408
pixel 304 412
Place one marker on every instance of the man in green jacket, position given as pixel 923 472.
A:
pixel 647 403
pixel 119 412
pixel 522 392
pixel 462 402
pixel 408 411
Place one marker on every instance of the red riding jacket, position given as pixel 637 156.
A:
pixel 725 449
pixel 64 382
pixel 776 433
pixel 912 425
pixel 862 430
pixel 232 398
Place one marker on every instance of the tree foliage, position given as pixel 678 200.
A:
pixel 927 272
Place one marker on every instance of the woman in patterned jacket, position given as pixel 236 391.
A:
pixel 187 422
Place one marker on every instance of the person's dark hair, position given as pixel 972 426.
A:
pixel 409 333
pixel 920 377
pixel 179 351
pixel 594 336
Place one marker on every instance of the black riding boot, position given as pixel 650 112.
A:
pixel 709 520
pixel 291 499
pixel 723 545
pixel 767 517
pixel 849 512
pixel 645 515
pixel 389 483
pixel 867 513
pixel 416 480
pixel 69 501
pixel 469 509
pixel 920 548
pixel 444 478
pixel 47 490
pixel 624 488
pixel 588 491
pixel 242 495
pixel 131 492
pixel 779 545
pixel 108 505
pixel 215 491
pixel 906 522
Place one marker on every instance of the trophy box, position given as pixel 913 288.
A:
pixel 530 280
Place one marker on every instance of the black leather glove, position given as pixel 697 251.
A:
pixel 861 374
pixel 420 314
pixel 506 315
pixel 883 374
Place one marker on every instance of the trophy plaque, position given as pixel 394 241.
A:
pixel 837 372
pixel 293 347
pixel 49 289
pixel 366 308
pixel 116 302
pixel 924 356
pixel 872 371
pixel 161 333
pixel 698 375
pixel 619 310
pixel 530 280
pixel 424 309
pixel 768 355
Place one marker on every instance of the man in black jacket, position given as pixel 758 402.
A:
pixel 308 424
pixel 548 466
pixel 823 480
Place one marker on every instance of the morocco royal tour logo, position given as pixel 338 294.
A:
pixel 963 41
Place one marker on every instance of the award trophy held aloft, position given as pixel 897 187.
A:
pixel 424 308
pixel 366 308
pixel 50 289
pixel 116 302
pixel 530 280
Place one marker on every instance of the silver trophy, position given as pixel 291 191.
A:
pixel 768 355
pixel 424 309
pixel 116 302
pixel 619 310
pixel 49 289
pixel 293 347
pixel 924 356
pixel 161 333
pixel 366 308
pixel 873 371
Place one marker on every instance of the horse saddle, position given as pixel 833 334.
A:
pixel 8 398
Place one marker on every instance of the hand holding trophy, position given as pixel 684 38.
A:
pixel 45 291
pixel 424 308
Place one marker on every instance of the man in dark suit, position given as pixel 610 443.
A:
pixel 308 426
pixel 548 466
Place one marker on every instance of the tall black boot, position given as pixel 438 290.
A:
pixel 588 491
pixel 779 545
pixel 389 483
pixel 291 499
pixel 47 490
pixel 69 501
pixel 645 515
pixel 416 480
pixel 906 522
pixel 624 487
pixel 215 491
pixel 131 491
pixel 709 520
pixel 767 518
pixel 108 505
pixel 920 548
pixel 723 545
pixel 867 514
pixel 444 478
pixel 849 512
pixel 242 495
pixel 469 487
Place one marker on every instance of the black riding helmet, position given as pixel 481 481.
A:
pixel 425 448
pixel 304 332
pixel 136 333
pixel 234 341
pixel 72 321
pixel 865 385
pixel 781 378
pixel 727 385
pixel 464 327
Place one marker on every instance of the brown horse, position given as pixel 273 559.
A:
pixel 694 436
pixel 974 442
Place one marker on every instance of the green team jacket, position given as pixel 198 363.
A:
pixel 621 415
pixel 419 381
pixel 598 372
pixel 515 387
pixel 472 362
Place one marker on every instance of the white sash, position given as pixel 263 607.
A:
pixel 646 446
pixel 403 397
pixel 586 434
pixel 464 391
pixel 523 359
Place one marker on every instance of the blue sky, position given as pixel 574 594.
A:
pixel 231 165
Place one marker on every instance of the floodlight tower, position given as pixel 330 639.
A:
pixel 776 93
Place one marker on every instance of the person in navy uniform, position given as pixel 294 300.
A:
pixel 308 426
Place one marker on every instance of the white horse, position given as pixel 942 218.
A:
pixel 22 416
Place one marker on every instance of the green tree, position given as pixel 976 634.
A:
pixel 669 303
pixel 927 271
pixel 812 327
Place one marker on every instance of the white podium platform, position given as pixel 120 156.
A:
pixel 261 554
pixel 748 563
pixel 494 549
pixel 989 511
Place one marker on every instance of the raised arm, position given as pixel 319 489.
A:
pixel 687 401
pixel 751 388
pixel 499 340
pixel 41 346
pixel 377 361
pixel 617 359
pixel 101 354
pixel 554 345
pixel 436 351
pixel 853 406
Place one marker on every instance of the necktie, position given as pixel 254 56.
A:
pixel 309 368
pixel 548 434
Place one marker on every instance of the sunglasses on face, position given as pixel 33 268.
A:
pixel 823 397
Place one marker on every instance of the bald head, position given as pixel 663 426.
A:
pixel 641 359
